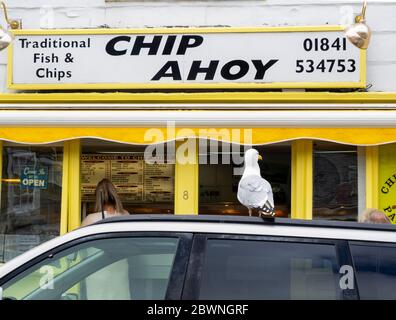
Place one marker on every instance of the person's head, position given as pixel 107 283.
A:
pixel 109 197
pixel 374 216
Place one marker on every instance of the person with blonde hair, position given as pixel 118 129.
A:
pixel 106 195
pixel 371 215
pixel 107 283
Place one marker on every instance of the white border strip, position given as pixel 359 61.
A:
pixel 211 119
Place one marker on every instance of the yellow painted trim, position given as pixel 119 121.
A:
pixel 74 188
pixel 65 189
pixel 270 85
pixel 10 64
pixel 176 30
pixel 302 180
pixel 132 135
pixel 183 98
pixel 186 180
pixel 363 68
pixel 204 30
pixel 197 97
pixel 372 176
pixel 1 168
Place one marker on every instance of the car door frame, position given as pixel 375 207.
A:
pixel 179 267
pixel 198 253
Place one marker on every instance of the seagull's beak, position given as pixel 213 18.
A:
pixel 260 157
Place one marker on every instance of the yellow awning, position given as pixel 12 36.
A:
pixel 46 135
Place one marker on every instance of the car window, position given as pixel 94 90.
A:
pixel 248 269
pixel 105 269
pixel 375 267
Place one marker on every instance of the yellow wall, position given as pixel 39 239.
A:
pixel 71 186
pixel 302 183
pixel 186 177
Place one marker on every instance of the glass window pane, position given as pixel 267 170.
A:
pixel 31 190
pixel 335 187
pixel 237 269
pixel 221 168
pixel 375 271
pixel 107 269
pixel 144 188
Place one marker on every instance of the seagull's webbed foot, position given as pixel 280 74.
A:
pixel 267 210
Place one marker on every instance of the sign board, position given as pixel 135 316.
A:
pixel 134 179
pixel 34 177
pixel 182 58
pixel 387 180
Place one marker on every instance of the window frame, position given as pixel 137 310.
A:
pixel 177 273
pixel 199 247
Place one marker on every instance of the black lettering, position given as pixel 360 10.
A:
pixel 61 75
pixel 110 47
pixel 185 43
pixel 384 190
pixel 39 73
pixel 174 71
pixel 209 71
pixel 68 74
pixel 152 46
pixel 389 209
pixel 24 42
pixel 390 182
pixel 170 42
pixel 226 70
pixel 261 68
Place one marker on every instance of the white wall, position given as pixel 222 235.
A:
pixel 381 55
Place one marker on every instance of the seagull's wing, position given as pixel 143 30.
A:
pixel 255 192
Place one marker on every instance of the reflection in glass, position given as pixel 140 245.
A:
pixel 335 187
pixel 31 191
pixel 220 170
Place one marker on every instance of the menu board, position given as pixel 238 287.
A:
pixel 134 179
pixel 158 182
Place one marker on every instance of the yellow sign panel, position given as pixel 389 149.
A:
pixel 185 58
pixel 387 180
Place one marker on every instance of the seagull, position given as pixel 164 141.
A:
pixel 254 192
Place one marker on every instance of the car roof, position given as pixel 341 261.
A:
pixel 248 220
pixel 233 225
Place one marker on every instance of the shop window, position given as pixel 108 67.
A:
pixel 144 187
pixel 221 168
pixel 335 185
pixel 31 189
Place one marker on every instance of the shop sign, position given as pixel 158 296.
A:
pixel 172 58
pixel 387 180
pixel 34 177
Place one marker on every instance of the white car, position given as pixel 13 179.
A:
pixel 208 257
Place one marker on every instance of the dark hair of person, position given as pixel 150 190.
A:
pixel 109 196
